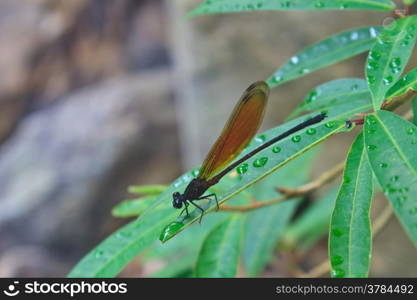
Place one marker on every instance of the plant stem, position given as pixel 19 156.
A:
pixel 291 193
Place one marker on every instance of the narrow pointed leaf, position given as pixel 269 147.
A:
pixel 132 207
pixel 233 6
pixel 219 255
pixel 335 93
pixel 350 229
pixel 392 146
pixel 406 85
pixel 324 53
pixel 154 189
pixel 414 105
pixel 389 56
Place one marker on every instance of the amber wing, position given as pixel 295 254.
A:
pixel 241 127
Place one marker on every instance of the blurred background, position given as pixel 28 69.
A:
pixel 96 95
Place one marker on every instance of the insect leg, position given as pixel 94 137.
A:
pixel 208 196
pixel 186 210
pixel 202 210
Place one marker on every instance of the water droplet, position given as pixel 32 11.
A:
pixel 294 60
pixel 344 5
pixel 286 4
pixel 348 124
pixel 387 80
pixel 319 4
pixel 413 210
pixel 404 190
pixel 395 178
pixel 260 162
pixel 371 79
pixel 304 71
pixel 337 232
pixel 374 55
pixel 277 78
pixel 410 131
pixel 311 131
pixel 346 179
pixel 383 165
pixel 338 273
pixel 373 32
pixel 260 138
pixel 371 130
pixel 170 230
pixel 409 36
pixel 401 200
pixel 296 138
pixel 311 97
pixel 329 124
pixel 372 65
pixel 354 36
pixel 259 5
pixel 242 169
pixel 99 253
pixel 336 260
pixel 395 62
pixel 123 234
pixel 354 87
pixel 276 149
pixel 390 190
pixel 404 43
pixel 195 172
pixel 371 147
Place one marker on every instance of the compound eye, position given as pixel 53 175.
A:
pixel 177 203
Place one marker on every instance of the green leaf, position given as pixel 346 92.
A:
pixel 234 6
pixel 270 159
pixel 414 105
pixel 331 50
pixel 407 84
pixel 181 253
pixel 409 2
pixel 350 229
pixel 312 224
pixel 389 56
pixel 111 255
pixel 219 255
pixel 132 207
pixel 335 93
pixel 154 189
pixel 391 145
pixel 264 226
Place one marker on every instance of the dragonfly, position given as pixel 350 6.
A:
pixel 239 130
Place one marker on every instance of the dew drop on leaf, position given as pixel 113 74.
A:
pixel 338 273
pixel 170 230
pixel 242 169
pixel 337 232
pixel 336 260
pixel 296 138
pixel 276 149
pixel 311 131
pixel 329 124
pixel 260 162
